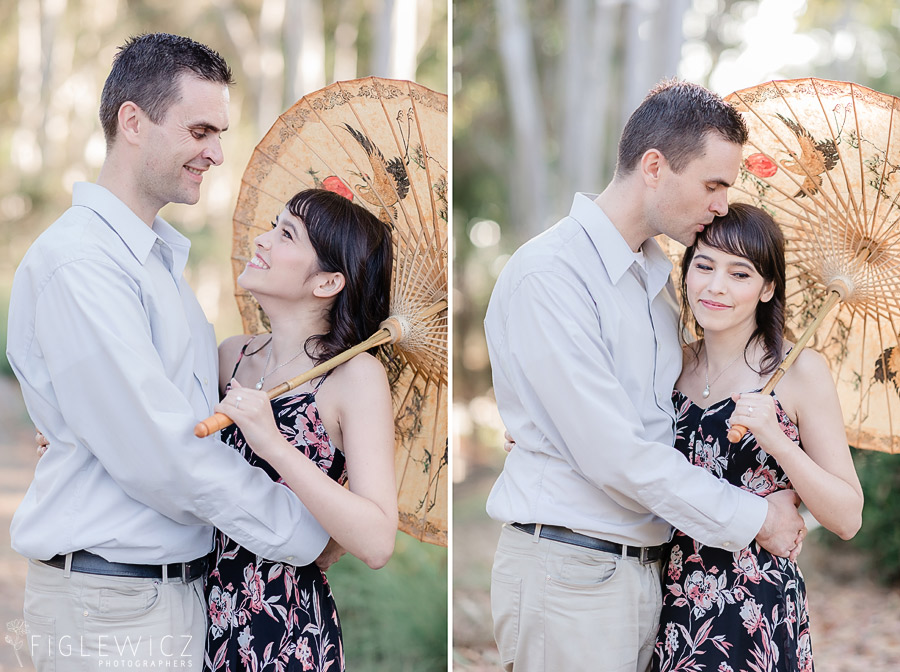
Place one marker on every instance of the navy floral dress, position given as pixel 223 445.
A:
pixel 266 615
pixel 724 611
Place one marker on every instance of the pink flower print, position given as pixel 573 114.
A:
pixel 335 184
pixel 675 565
pixel 725 667
pixel 760 165
pixel 751 612
pixel 703 590
pixel 304 654
pixel 804 652
pixel 747 567
pixel 671 638
pixel 760 481
pixel 254 588
pixel 221 610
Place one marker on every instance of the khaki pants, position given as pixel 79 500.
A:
pixel 86 622
pixel 562 607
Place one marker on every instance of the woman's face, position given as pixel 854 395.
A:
pixel 724 289
pixel 284 262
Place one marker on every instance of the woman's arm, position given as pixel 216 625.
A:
pixel 822 472
pixel 362 519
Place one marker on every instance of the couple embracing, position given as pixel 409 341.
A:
pixel 635 536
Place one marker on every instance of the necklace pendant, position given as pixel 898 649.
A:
pixel 260 384
pixel 706 392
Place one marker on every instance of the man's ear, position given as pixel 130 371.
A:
pixel 131 121
pixel 328 285
pixel 651 165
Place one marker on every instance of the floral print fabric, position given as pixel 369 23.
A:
pixel 723 611
pixel 269 616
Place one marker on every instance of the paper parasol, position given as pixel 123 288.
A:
pixel 824 160
pixel 383 144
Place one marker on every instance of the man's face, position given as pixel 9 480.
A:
pixel 182 147
pixel 688 201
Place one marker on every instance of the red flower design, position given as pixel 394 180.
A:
pixel 760 165
pixel 336 184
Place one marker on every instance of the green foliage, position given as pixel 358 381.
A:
pixel 394 619
pixel 879 537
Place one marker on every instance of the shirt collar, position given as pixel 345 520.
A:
pixel 615 253
pixel 137 236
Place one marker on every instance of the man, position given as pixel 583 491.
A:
pixel 117 363
pixel 582 331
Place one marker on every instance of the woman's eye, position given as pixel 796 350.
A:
pixel 742 276
pixel 287 234
pixel 703 267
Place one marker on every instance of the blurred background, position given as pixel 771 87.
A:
pixel 54 58
pixel 541 91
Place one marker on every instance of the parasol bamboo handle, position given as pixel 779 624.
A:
pixel 737 432
pixel 391 331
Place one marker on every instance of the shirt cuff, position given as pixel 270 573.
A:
pixel 748 520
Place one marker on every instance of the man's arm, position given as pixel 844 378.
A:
pixel 117 400
pixel 557 358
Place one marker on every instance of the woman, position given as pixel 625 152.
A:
pixel 322 275
pixel 747 610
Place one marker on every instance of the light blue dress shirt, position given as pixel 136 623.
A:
pixel 117 363
pixel 584 352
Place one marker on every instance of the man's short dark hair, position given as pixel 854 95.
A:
pixel 147 70
pixel 675 118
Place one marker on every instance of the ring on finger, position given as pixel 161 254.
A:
pixel 237 401
pixel 750 410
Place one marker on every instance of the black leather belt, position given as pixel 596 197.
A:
pixel 89 563
pixel 563 534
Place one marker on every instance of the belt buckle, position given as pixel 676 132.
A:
pixel 645 555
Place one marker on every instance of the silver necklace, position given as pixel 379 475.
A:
pixel 267 373
pixel 706 391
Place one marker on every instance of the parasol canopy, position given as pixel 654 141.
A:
pixel 824 160
pixel 383 144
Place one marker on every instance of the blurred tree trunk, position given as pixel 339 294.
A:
pixel 404 42
pixel 304 49
pixel 270 94
pixel 345 52
pixel 27 150
pixel 588 60
pixel 381 48
pixel 529 201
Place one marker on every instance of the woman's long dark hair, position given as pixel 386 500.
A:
pixel 749 232
pixel 347 239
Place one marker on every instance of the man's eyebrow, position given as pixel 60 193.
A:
pixel 208 126
pixel 716 180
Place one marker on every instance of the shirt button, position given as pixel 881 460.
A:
pixel 206 381
pixel 291 558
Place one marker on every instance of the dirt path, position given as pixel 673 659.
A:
pixel 854 621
